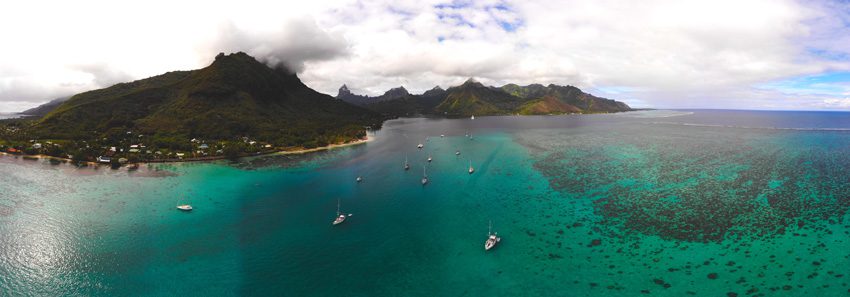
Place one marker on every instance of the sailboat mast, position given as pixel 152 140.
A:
pixel 490 228
pixel 337 206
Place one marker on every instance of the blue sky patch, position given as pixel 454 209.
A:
pixel 830 83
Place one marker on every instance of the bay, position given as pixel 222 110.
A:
pixel 667 203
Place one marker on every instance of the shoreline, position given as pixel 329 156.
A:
pixel 323 148
pixel 206 159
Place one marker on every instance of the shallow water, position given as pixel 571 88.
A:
pixel 661 203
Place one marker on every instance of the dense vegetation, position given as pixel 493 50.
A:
pixel 237 101
pixel 474 98
pixel 238 106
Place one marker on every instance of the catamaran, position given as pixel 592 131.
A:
pixel 340 217
pixel 471 170
pixel 492 239
pixel 424 176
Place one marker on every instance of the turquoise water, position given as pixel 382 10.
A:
pixel 702 203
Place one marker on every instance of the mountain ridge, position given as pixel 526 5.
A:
pixel 235 96
pixel 45 108
pixel 474 98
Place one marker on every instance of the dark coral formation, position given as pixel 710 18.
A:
pixel 702 185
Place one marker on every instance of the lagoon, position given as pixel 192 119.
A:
pixel 666 203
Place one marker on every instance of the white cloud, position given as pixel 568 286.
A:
pixel 843 103
pixel 661 53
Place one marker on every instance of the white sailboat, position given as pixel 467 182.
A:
pixel 340 217
pixel 184 207
pixel 492 239
pixel 424 176
pixel 471 170
pixel 406 164
pixel 472 117
pixel 429 157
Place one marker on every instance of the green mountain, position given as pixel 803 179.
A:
pixel 474 98
pixel 562 99
pixel 236 96
pixel 410 105
pixel 345 94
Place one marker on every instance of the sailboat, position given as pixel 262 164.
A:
pixel 184 207
pixel 340 217
pixel 359 179
pixel 406 165
pixel 424 176
pixel 471 170
pixel 429 157
pixel 472 117
pixel 420 146
pixel 492 239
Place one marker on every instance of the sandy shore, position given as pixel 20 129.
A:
pixel 332 146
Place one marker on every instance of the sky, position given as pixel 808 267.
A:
pixel 771 54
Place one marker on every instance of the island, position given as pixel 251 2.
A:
pixel 239 106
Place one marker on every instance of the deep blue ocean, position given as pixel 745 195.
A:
pixel 649 203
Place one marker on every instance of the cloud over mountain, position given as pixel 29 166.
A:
pixel 660 53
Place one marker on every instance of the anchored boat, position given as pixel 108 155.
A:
pixel 492 238
pixel 424 176
pixel 340 217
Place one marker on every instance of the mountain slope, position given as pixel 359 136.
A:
pixel 474 98
pixel 235 96
pixel 410 105
pixel 547 105
pixel 45 108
